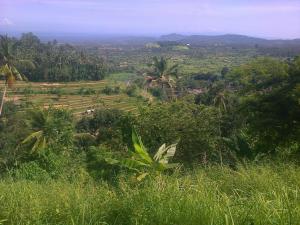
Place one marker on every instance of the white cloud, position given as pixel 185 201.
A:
pixel 5 22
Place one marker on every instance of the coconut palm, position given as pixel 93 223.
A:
pixel 220 101
pixel 8 70
pixel 39 138
pixel 49 127
pixel 162 75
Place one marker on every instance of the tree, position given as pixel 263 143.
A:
pixel 224 71
pixel 162 75
pixel 13 129
pixel 8 69
pixel 49 127
pixel 269 100
pixel 109 126
pixel 55 62
pixel 196 126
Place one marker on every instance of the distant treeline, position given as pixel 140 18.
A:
pixel 54 61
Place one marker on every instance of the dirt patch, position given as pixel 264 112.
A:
pixel 12 98
pixel 56 106
pixel 51 84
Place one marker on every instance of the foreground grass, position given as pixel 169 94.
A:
pixel 256 195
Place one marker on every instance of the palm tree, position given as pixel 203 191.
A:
pixel 40 120
pixel 8 70
pixel 49 127
pixel 220 101
pixel 162 75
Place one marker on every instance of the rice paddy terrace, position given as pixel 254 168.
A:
pixel 76 96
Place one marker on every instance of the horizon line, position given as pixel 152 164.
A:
pixel 145 35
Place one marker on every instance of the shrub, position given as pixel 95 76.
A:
pixel 110 126
pixel 86 91
pixel 131 90
pixel 157 92
pixel 111 90
pixel 96 165
pixel 196 127
pixel 56 91
pixel 30 171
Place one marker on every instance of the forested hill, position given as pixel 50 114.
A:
pixel 53 61
pixel 227 39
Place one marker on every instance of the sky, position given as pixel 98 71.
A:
pixel 260 18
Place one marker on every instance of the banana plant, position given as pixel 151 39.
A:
pixel 141 162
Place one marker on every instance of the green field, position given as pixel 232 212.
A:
pixel 68 95
pixel 257 194
pixel 121 77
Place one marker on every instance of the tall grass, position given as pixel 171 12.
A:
pixel 253 195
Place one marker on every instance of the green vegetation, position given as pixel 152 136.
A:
pixel 162 75
pixel 214 195
pixel 76 96
pixel 149 144
pixel 8 70
pixel 55 62
pixel 125 77
pixel 141 161
pixel 180 48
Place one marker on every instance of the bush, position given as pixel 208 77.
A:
pixel 56 91
pixel 195 126
pixel 27 91
pixel 30 171
pixel 86 91
pixel 111 90
pixel 157 92
pixel 97 167
pixel 131 90
pixel 110 126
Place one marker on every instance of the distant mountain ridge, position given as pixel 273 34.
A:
pixel 200 40
pixel 226 39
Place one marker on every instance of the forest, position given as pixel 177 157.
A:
pixel 202 134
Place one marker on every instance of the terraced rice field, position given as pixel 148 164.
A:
pixel 67 95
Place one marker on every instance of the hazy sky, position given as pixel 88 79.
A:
pixel 262 18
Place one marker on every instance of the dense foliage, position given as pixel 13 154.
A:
pixel 196 152
pixel 54 61
pixel 251 110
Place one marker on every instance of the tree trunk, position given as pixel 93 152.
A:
pixel 3 97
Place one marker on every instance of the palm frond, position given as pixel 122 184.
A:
pixel 5 70
pixel 38 117
pixel 31 137
pixel 173 69
pixel 39 144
